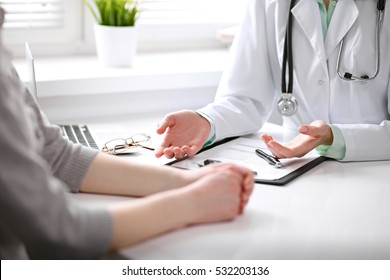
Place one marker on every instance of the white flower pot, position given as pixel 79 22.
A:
pixel 116 45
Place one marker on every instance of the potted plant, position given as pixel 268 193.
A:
pixel 115 30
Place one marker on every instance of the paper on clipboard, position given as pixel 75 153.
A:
pixel 242 151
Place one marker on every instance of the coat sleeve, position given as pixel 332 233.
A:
pixel 34 206
pixel 368 141
pixel 246 94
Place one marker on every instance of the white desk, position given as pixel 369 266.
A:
pixel 335 211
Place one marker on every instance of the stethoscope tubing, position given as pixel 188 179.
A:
pixel 287 54
pixel 378 54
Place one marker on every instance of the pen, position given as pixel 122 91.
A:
pixel 268 158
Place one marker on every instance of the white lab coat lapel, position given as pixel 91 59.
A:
pixel 307 16
pixel 308 24
pixel 340 24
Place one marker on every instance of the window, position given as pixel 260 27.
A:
pixel 64 26
pixel 41 20
pixel 186 23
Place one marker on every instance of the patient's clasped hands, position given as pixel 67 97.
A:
pixel 217 192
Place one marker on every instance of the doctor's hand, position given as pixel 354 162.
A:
pixel 185 133
pixel 309 137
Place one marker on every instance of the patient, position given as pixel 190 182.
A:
pixel 39 220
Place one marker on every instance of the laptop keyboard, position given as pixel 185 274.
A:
pixel 79 134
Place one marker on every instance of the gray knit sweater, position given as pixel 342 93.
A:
pixel 38 169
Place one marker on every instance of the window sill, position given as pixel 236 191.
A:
pixel 83 75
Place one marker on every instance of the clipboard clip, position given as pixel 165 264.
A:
pixel 207 162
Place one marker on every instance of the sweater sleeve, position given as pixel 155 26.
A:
pixel 34 206
pixel 68 162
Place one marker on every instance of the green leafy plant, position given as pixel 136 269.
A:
pixel 114 12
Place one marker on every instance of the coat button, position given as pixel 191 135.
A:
pixel 320 82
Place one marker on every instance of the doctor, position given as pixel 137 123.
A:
pixel 344 119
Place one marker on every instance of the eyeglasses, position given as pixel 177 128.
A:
pixel 121 146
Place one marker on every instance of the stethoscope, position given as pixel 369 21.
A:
pixel 287 104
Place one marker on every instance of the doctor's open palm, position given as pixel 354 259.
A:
pixel 309 137
pixel 185 133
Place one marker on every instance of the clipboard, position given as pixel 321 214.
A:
pixel 231 149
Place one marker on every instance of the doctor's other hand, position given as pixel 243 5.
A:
pixel 220 192
pixel 309 137
pixel 185 133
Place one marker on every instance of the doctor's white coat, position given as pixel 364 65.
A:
pixel 250 86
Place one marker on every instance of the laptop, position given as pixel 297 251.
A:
pixel 86 135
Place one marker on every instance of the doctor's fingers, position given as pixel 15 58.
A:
pixel 316 129
pixel 179 152
pixel 168 152
pixel 159 151
pixel 320 131
pixel 166 143
pixel 192 150
pixel 278 150
pixel 176 152
pixel 166 122
pixel 266 138
pixel 312 131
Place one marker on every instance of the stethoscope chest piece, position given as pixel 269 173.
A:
pixel 287 105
